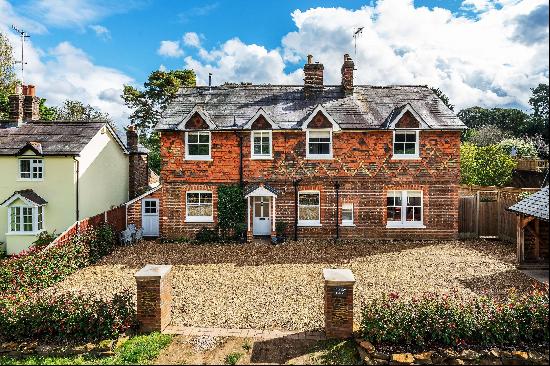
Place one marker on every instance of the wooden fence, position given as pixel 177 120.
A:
pixel 534 165
pixel 482 212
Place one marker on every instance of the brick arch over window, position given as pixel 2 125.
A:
pixel 261 124
pixel 319 121
pixel 196 122
pixel 407 121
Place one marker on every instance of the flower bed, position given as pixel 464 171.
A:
pixel 451 320
pixel 66 316
pixel 36 269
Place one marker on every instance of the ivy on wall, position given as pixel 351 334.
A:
pixel 231 207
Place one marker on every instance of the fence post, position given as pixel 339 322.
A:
pixel 477 213
pixel 338 303
pixel 154 297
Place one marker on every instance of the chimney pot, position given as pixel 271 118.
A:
pixel 309 59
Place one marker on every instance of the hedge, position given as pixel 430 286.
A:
pixel 38 269
pixel 451 321
pixel 66 316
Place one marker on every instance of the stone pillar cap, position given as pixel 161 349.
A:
pixel 338 276
pixel 153 271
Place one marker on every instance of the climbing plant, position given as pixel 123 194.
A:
pixel 231 208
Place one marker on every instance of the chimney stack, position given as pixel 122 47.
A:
pixel 347 74
pixel 138 165
pixel 24 105
pixel 313 77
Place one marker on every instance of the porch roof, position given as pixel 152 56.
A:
pixel 259 189
pixel 535 205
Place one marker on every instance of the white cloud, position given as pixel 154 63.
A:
pixel 476 61
pixel 170 49
pixel 191 39
pixel 66 72
pixel 101 31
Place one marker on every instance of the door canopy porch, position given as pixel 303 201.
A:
pixel 260 189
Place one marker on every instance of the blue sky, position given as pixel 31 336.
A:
pixel 480 52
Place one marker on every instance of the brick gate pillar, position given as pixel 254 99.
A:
pixel 154 297
pixel 338 303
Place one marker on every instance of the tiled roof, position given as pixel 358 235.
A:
pixel 368 107
pixel 535 205
pixel 54 138
pixel 253 186
pixel 29 195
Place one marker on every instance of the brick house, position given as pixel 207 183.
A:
pixel 331 161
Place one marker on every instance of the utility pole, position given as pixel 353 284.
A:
pixel 23 35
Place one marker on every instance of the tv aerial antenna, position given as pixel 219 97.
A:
pixel 22 35
pixel 356 33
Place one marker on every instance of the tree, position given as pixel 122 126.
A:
pixel 444 98
pixel 485 165
pixel 539 102
pixel 148 104
pixel 485 135
pixel 74 110
pixel 8 79
pixel 46 113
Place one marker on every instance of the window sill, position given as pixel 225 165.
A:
pixel 24 233
pixel 319 157
pixel 347 225
pixel 199 220
pixel 30 180
pixel 197 159
pixel 406 157
pixel 258 157
pixel 309 225
pixel 400 225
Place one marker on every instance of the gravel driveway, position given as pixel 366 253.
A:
pixel 280 287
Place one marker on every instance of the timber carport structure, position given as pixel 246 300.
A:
pixel 532 231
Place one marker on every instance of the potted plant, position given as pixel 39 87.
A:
pixel 280 232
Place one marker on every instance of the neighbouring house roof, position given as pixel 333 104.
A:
pixel 52 138
pixel 259 189
pixel 368 107
pixel 27 195
pixel 535 205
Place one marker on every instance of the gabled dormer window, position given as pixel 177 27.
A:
pixel 261 145
pixel 197 145
pixel 31 169
pixel 319 144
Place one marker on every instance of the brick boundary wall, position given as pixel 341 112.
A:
pixel 338 303
pixel 154 297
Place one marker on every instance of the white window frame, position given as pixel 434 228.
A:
pixel 404 223
pixel 37 226
pixel 198 157
pixel 261 156
pixel 416 154
pixel 348 206
pixel 309 222
pixel 32 164
pixel 198 218
pixel 319 156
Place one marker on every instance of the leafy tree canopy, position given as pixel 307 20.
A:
pixel 147 105
pixel 74 110
pixel 8 79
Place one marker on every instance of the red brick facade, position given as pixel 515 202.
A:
pixel 362 164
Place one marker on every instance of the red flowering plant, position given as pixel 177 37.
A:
pixel 451 320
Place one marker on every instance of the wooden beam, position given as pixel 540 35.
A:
pixel 537 239
pixel 519 240
pixel 526 221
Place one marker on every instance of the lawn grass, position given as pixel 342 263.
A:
pixel 335 352
pixel 137 350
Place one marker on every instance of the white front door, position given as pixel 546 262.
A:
pixel 150 216
pixel 262 218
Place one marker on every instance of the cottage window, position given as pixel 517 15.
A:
pixel 405 144
pixel 261 144
pixel 31 169
pixel 404 209
pixel 26 219
pixel 197 146
pixel 319 144
pixel 309 213
pixel 347 214
pixel 199 207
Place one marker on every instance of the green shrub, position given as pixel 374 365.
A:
pixel 233 358
pixel 231 208
pixel 141 349
pixel 44 238
pixel 66 316
pixel 485 165
pixel 37 269
pixel 206 235
pixel 280 228
pixel 450 320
